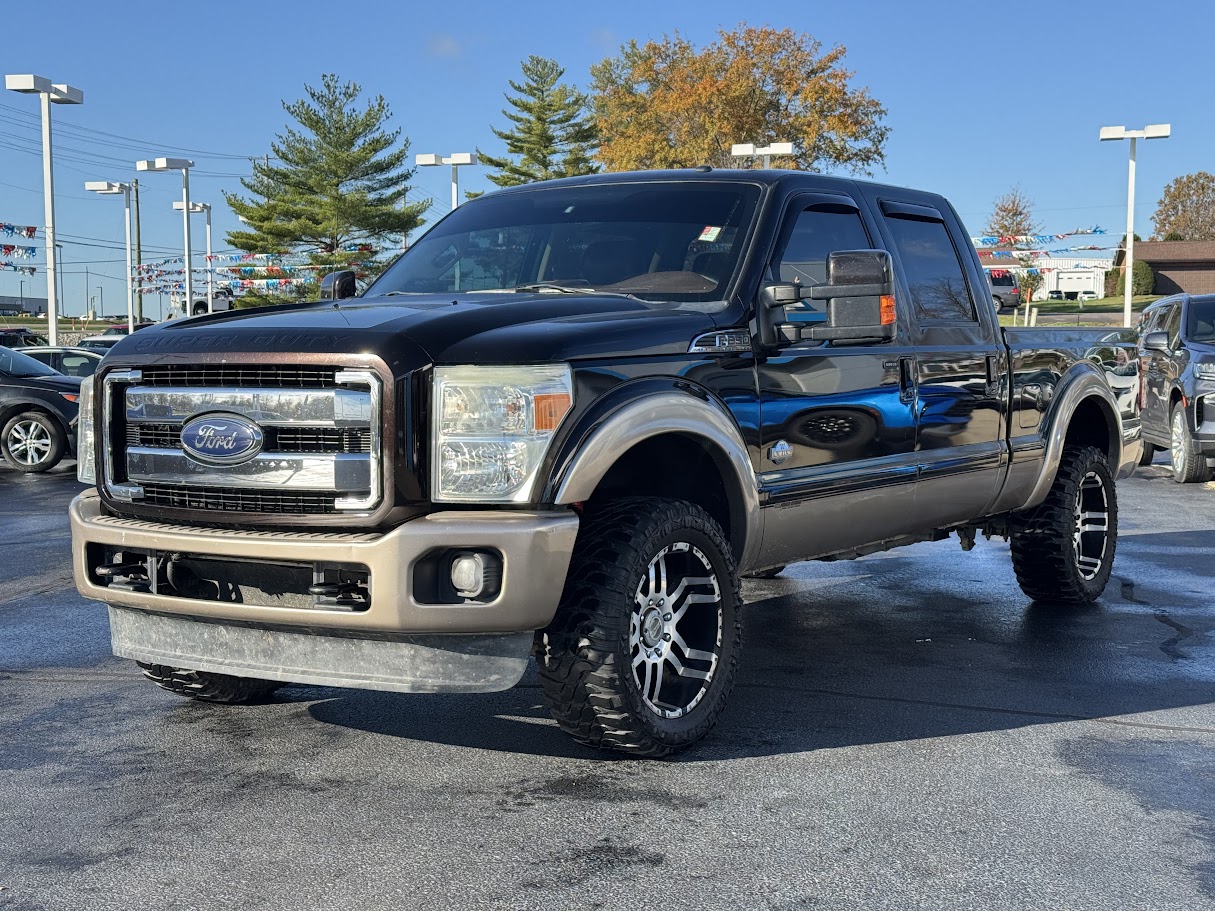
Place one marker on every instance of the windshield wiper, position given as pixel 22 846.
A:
pixel 550 286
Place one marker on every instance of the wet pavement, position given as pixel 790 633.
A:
pixel 908 731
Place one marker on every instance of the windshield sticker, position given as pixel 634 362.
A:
pixel 710 233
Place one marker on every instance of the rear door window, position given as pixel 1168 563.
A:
pixel 933 269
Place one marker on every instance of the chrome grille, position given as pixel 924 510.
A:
pixel 320 427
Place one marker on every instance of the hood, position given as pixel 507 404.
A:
pixel 47 383
pixel 503 328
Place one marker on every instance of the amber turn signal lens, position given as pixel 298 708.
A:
pixel 887 302
pixel 550 409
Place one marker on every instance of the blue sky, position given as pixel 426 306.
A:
pixel 980 96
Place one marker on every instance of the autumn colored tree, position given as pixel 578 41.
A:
pixel 1187 208
pixel 1012 216
pixel 668 104
pixel 552 134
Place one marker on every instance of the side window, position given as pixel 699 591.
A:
pixel 934 272
pixel 817 232
pixel 1172 325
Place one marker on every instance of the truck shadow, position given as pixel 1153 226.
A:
pixel 897 648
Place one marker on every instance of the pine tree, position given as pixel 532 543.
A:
pixel 553 134
pixel 335 186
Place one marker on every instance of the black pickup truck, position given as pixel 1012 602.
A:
pixel 565 424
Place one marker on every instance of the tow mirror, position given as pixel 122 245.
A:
pixel 338 286
pixel 1156 341
pixel 859 293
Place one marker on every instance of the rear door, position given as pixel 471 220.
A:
pixel 960 362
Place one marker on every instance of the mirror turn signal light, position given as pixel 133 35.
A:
pixel 887 305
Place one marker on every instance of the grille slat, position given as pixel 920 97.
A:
pixel 232 500
pixel 277 439
pixel 241 376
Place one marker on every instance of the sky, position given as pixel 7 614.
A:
pixel 979 96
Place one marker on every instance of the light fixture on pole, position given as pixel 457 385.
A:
pixel 52 93
pixel 456 160
pixel 750 150
pixel 195 208
pixel 109 188
pixel 1152 131
pixel 183 165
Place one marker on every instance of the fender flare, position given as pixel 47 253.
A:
pixel 683 409
pixel 1083 381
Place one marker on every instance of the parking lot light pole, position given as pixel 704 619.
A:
pixel 183 165
pixel 750 150
pixel 109 188
pixel 195 208
pixel 456 160
pixel 51 93
pixel 1151 131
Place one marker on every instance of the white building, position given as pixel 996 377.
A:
pixel 1072 274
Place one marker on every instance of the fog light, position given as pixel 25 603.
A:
pixel 475 575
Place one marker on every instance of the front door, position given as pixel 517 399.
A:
pixel 838 463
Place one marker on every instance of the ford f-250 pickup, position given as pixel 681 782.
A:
pixel 564 424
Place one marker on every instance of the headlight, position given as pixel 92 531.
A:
pixel 1205 371
pixel 490 428
pixel 86 451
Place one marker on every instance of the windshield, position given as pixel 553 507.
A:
pixel 671 242
pixel 1201 324
pixel 14 363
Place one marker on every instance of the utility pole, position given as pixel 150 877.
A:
pixel 138 255
pixel 88 301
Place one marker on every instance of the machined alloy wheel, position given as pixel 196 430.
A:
pixel 640 656
pixel 32 442
pixel 1188 466
pixel 1091 536
pixel 675 630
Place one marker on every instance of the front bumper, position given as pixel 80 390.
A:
pixel 535 548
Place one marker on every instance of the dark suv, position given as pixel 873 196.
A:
pixel 20 338
pixel 1177 393
pixel 1005 290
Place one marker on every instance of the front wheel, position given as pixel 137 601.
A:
pixel 1063 549
pixel 33 442
pixel 641 654
pixel 1147 454
pixel 1189 465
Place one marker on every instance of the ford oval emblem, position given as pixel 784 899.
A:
pixel 221 439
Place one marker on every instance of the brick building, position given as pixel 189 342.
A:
pixel 1179 265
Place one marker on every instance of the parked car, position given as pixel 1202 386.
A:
pixel 576 449
pixel 20 337
pixel 38 409
pixel 1005 289
pixel 1177 377
pixel 68 361
pixel 1054 295
pixel 122 329
pixel 102 343
pixel 1088 296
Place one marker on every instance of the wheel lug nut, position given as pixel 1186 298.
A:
pixel 666 617
pixel 666 637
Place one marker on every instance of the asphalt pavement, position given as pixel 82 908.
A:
pixel 907 732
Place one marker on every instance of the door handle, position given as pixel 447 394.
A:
pixel 993 373
pixel 907 380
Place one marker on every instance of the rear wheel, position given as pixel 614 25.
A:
pixel 206 686
pixel 1189 465
pixel 33 441
pixel 1063 549
pixel 641 654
